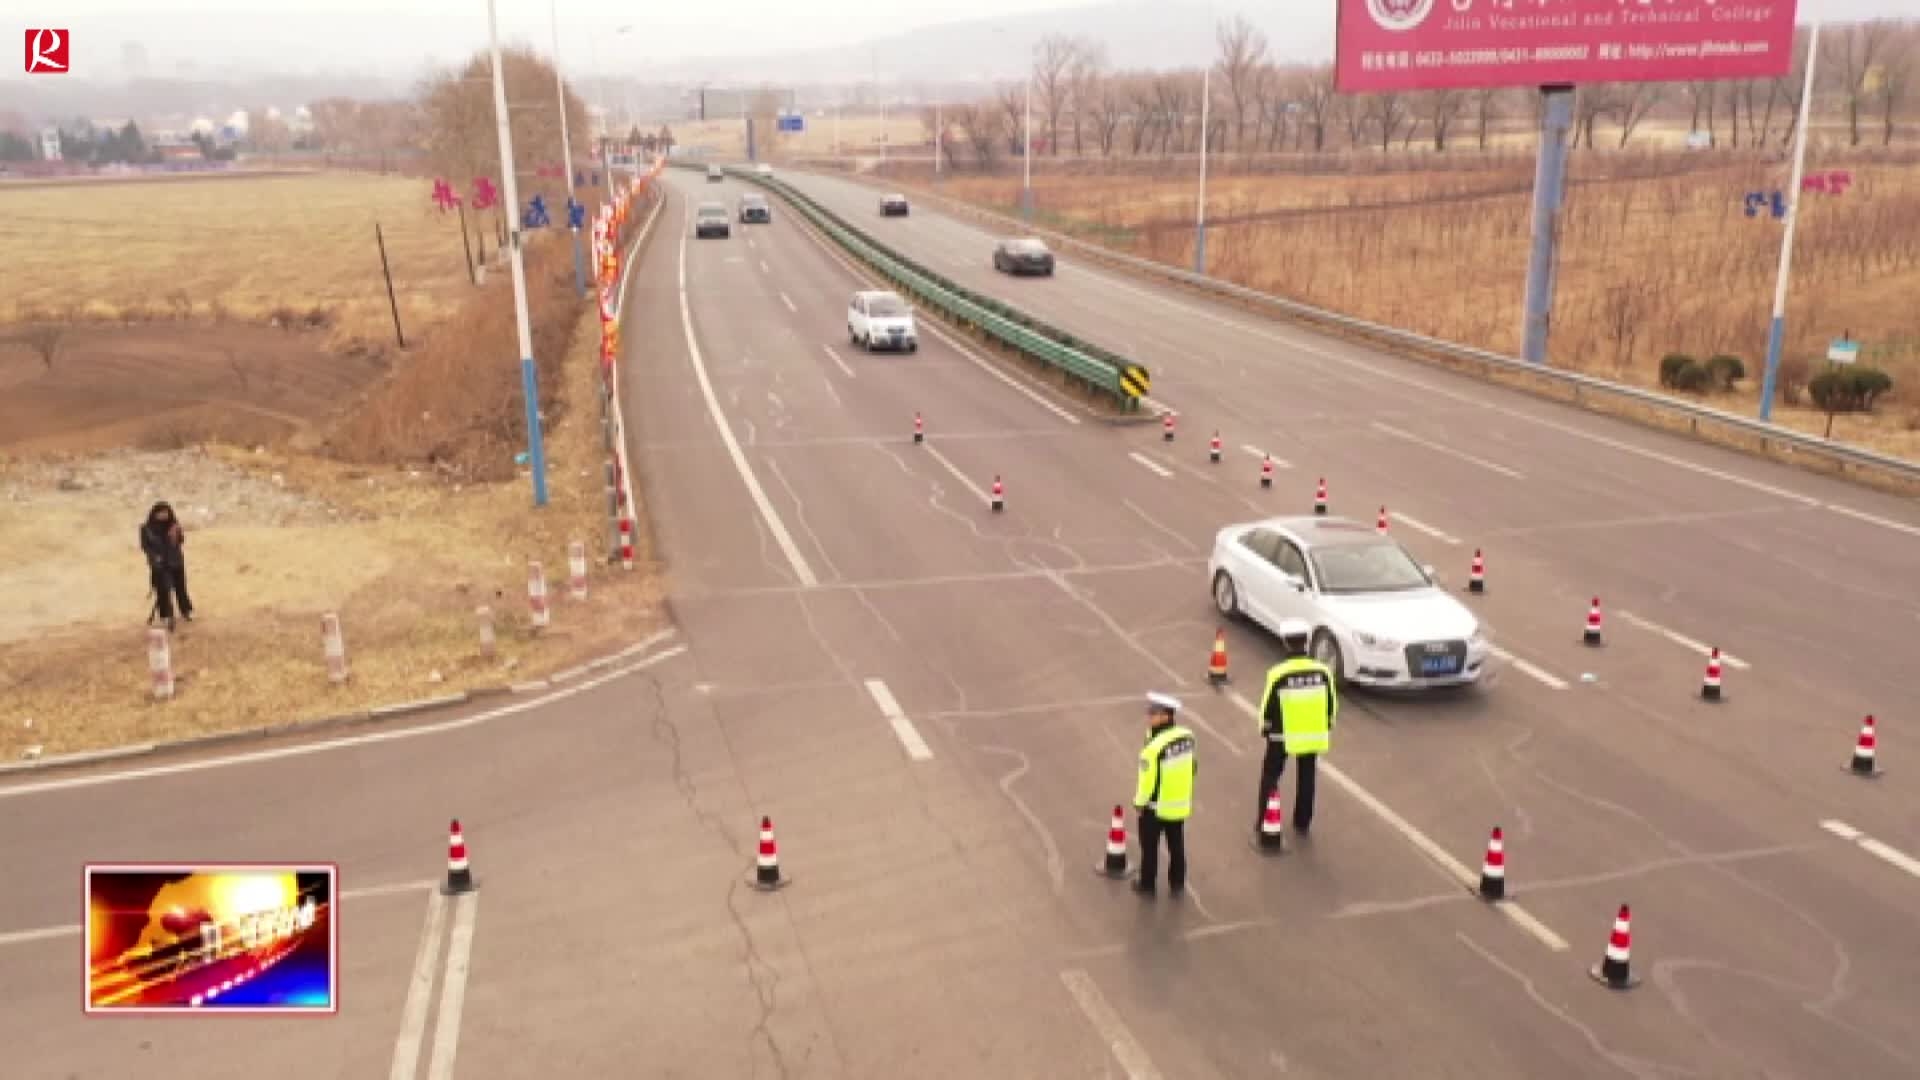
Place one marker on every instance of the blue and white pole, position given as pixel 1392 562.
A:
pixel 1776 332
pixel 529 383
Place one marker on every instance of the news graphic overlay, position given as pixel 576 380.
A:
pixel 48 51
pixel 223 937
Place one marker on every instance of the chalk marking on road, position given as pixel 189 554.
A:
pixel 453 989
pixel 1529 669
pixel 413 1016
pixel 1443 449
pixel 764 268
pixel 779 528
pixel 1254 451
pixel 1886 853
pixel 835 357
pixel 917 748
pixel 1151 464
pixel 1683 640
pixel 349 740
pixel 1454 867
pixel 1120 1042
pixel 957 474
pixel 1885 523
pixel 44 933
pixel 785 299
pixel 1420 526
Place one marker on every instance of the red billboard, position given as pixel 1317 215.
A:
pixel 1385 45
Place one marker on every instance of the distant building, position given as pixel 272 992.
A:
pixel 50 144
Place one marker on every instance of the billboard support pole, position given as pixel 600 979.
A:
pixel 1549 191
pixel 1777 330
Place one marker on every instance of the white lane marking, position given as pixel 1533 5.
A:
pixel 764 268
pixel 862 278
pixel 835 357
pixel 1893 856
pixel 350 740
pixel 1438 448
pixel 1200 722
pixel 453 989
pixel 1421 526
pixel 44 933
pixel 750 243
pixel 1537 674
pixel 1150 463
pixel 1254 451
pixel 917 747
pixel 1454 867
pixel 620 298
pixel 1113 1031
pixel 957 474
pixel 767 513
pixel 1860 515
pixel 789 302
pixel 1683 640
pixel 413 1016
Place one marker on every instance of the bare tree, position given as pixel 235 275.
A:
pixel 1170 98
pixel 267 131
pixel 1084 83
pixel 44 340
pixel 1243 57
pixel 1441 108
pixel 1486 108
pixel 1106 104
pixel 1704 97
pixel 1144 103
pixel 1590 103
pixel 1013 105
pixel 984 127
pixel 1314 91
pixel 1053 58
pixel 1385 114
pixel 1632 103
pixel 1853 52
pixel 457 115
pixel 1893 78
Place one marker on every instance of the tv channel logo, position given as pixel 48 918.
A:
pixel 47 51
pixel 220 937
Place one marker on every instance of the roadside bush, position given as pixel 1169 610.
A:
pixel 1726 370
pixel 1693 378
pixel 1671 366
pixel 1853 388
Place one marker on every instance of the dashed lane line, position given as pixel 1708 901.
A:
pixel 1113 1031
pixel 1420 526
pixel 909 736
pixel 1529 669
pixel 1886 853
pixel 1254 451
pixel 1150 464
pixel 1682 640
pixel 836 358
pixel 788 300
pixel 957 474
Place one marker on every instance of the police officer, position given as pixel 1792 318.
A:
pixel 1164 797
pixel 1297 711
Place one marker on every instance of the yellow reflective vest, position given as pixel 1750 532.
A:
pixel 1167 767
pixel 1299 705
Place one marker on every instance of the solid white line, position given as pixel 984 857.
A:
pixel 1126 1049
pixel 22 937
pixel 1682 640
pixel 767 513
pixel 1463 456
pixel 1417 524
pixel 1871 519
pixel 789 302
pixel 1454 867
pixel 1841 829
pixel 1150 463
pixel 1887 853
pixel 453 991
pixel 917 748
pixel 957 474
pixel 764 268
pixel 835 357
pixel 335 744
pixel 1538 674
pixel 1254 451
pixel 413 1016
pixel 620 298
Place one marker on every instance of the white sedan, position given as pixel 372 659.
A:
pixel 1379 618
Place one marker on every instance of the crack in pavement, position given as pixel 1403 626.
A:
pixel 765 980
pixel 1151 520
pixel 1493 781
pixel 872 609
pixel 1055 867
pixel 1113 626
pixel 800 515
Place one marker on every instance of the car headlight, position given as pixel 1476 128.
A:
pixel 1479 635
pixel 1375 641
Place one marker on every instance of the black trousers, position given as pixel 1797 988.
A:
pixel 1151 830
pixel 1272 769
pixel 169 583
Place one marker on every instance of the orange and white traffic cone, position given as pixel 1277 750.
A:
pixel 1217 663
pixel 766 876
pixel 1166 426
pixel 459 875
pixel 919 429
pixel 1864 751
pixel 1710 685
pixel 1320 498
pixel 1213 449
pixel 1115 864
pixel 1592 636
pixel 1615 971
pixel 1266 471
pixel 1477 573
pixel 538 613
pixel 999 500
pixel 626 543
pixel 1380 526
pixel 1272 838
pixel 1493 869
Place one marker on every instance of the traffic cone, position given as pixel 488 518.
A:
pixel 1863 751
pixel 1217 663
pixel 1477 573
pixel 1614 970
pixel 1213 449
pixel 1266 471
pixel 1493 869
pixel 459 876
pixel 1593 623
pixel 1166 426
pixel 999 501
pixel 1380 526
pixel 1272 839
pixel 767 875
pixel 1115 865
pixel 919 429
pixel 1320 498
pixel 1710 686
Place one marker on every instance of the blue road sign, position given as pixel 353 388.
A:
pixel 793 122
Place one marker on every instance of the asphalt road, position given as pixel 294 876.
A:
pixel 939 707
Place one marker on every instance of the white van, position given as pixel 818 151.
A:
pixel 878 320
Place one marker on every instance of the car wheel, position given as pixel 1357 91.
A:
pixel 1225 596
pixel 913 346
pixel 1326 649
pixel 852 338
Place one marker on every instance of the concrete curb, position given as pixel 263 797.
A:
pixel 322 723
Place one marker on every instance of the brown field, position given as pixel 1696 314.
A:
pixel 1650 264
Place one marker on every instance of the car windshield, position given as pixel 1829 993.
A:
pixel 752 200
pixel 886 306
pixel 1027 247
pixel 1381 566
pixel 713 210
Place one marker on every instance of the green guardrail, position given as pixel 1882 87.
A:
pixel 1100 369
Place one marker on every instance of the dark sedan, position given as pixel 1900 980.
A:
pixel 894 205
pixel 753 207
pixel 1023 255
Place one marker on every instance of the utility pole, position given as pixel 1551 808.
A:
pixel 529 381
pixel 1777 331
pixel 566 153
pixel 1200 210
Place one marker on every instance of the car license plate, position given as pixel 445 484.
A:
pixel 1439 665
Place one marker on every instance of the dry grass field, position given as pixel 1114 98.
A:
pixel 1650 264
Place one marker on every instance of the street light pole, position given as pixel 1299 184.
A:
pixel 566 153
pixel 1776 332
pixel 529 382
pixel 939 142
pixel 1200 208
pixel 1026 156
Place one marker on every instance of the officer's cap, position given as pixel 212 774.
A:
pixel 1163 701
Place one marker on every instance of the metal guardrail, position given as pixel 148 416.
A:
pixel 1767 433
pixel 1101 370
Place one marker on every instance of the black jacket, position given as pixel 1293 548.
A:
pixel 161 543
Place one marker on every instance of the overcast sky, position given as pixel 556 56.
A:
pixel 205 38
